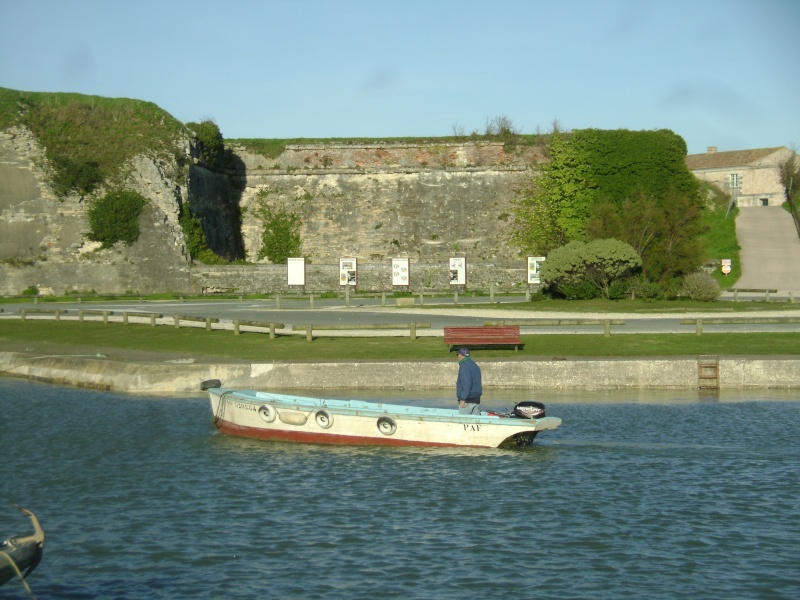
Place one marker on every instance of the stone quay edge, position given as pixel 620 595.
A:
pixel 185 376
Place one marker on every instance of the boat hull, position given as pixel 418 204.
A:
pixel 20 555
pixel 278 417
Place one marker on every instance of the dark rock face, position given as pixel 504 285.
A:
pixel 214 198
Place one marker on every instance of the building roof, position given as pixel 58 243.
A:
pixel 728 160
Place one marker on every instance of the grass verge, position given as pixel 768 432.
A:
pixel 98 337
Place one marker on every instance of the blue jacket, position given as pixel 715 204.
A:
pixel 468 384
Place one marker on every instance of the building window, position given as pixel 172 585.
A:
pixel 734 180
pixel 765 202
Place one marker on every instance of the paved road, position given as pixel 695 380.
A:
pixel 770 255
pixel 370 311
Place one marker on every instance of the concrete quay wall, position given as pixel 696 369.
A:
pixel 545 374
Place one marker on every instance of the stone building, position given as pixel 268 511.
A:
pixel 750 176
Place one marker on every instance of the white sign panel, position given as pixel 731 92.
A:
pixel 347 271
pixel 726 265
pixel 296 271
pixel 534 267
pixel 458 271
pixel 400 272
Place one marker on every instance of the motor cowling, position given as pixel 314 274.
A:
pixel 529 410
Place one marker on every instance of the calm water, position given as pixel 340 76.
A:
pixel 637 496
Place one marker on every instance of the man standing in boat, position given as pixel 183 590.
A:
pixel 468 384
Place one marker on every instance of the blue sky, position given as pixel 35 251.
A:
pixel 717 72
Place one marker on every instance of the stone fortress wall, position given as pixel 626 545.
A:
pixel 369 201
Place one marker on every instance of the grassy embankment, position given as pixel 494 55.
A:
pixel 92 337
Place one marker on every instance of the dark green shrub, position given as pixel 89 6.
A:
pixel 281 236
pixel 31 291
pixel 619 289
pixel 641 288
pixel 81 176
pixel 598 263
pixel 210 142
pixel 193 233
pixel 583 290
pixel 538 296
pixel 115 218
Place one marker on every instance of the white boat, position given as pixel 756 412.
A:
pixel 286 418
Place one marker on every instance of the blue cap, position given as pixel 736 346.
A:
pixel 463 352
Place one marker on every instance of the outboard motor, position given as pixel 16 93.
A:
pixel 529 410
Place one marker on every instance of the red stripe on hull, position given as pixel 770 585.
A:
pixel 308 437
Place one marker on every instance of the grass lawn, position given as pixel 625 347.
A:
pixel 91 337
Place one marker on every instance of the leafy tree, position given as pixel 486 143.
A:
pixel 599 263
pixel 605 184
pixel 789 173
pixel 281 237
pixel 555 207
pixel 115 218
pixel 667 235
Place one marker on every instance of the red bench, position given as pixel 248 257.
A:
pixel 483 337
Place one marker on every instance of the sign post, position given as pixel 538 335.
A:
pixel 348 272
pixel 458 271
pixel 401 275
pixel 534 268
pixel 296 272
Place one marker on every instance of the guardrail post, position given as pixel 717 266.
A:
pixel 177 321
pixel 491 293
pixel 699 326
pixel 455 297
pixel 125 318
pixel 413 331
pixel 236 327
pixel 272 331
pixel 80 315
pixel 735 295
pixel 527 295
pixel 607 328
pixel 277 301
pixel 383 298
pixel 208 323
pixel 152 320
pixel 22 313
pixel 105 316
pixel 309 334
pixel 766 295
pixel 421 298
pixel 311 300
pixel 791 297
pixel 347 296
